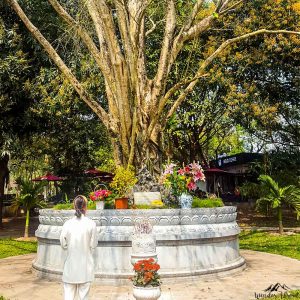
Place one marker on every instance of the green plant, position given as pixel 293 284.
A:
pixel 251 190
pixel 67 206
pixel 146 273
pixel 123 181
pixel 212 202
pixel 277 196
pixel 28 197
pixel 63 206
pixel 147 206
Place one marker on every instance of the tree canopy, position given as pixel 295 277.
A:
pixel 139 46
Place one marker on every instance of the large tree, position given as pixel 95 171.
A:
pixel 140 88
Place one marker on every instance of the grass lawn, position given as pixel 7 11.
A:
pixel 10 247
pixel 287 245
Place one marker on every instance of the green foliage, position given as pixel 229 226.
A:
pixel 123 181
pixel 109 204
pixel 208 203
pixel 105 157
pixel 276 196
pixel 148 206
pixel 287 245
pixel 282 166
pixel 251 190
pixel 63 206
pixel 29 195
pixel 67 206
pixel 10 247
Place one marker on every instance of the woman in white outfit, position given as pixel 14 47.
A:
pixel 78 238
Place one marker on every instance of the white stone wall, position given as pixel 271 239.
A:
pixel 189 242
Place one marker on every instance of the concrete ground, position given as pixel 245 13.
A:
pixel 19 282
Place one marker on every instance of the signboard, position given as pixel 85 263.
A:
pixel 146 197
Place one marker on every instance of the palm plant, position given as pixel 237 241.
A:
pixel 28 197
pixel 276 196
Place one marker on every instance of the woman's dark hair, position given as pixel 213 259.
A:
pixel 80 205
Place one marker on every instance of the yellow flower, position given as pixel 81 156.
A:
pixel 157 203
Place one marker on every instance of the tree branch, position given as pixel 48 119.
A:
pixel 152 28
pixel 210 59
pixel 164 60
pixel 192 16
pixel 94 105
pixel 86 39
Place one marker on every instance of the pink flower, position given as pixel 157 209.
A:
pixel 181 171
pixel 192 185
pixel 199 176
pixel 169 169
pixel 99 195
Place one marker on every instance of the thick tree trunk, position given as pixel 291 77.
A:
pixel 4 177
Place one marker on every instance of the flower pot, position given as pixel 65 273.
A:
pixel 146 293
pixel 99 205
pixel 121 203
pixel 185 200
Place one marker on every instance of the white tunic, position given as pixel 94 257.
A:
pixel 79 238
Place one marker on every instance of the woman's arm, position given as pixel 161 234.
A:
pixel 94 237
pixel 63 237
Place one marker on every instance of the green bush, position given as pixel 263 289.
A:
pixel 63 206
pixel 2 298
pixel 147 206
pixel 91 206
pixel 211 202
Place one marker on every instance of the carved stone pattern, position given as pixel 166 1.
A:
pixel 157 217
pixel 143 243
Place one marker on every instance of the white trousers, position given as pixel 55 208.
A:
pixel 77 291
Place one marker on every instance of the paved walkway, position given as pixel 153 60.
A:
pixel 18 282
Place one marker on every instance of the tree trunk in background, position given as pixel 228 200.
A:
pixel 27 223
pixel 4 176
pixel 280 220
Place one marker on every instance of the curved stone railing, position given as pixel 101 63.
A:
pixel 189 241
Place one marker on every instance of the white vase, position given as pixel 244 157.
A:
pixel 185 200
pixel 146 293
pixel 99 204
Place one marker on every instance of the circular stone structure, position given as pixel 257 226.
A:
pixel 189 242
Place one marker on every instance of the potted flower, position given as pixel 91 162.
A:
pixel 183 181
pixel 123 182
pixel 99 196
pixel 146 280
